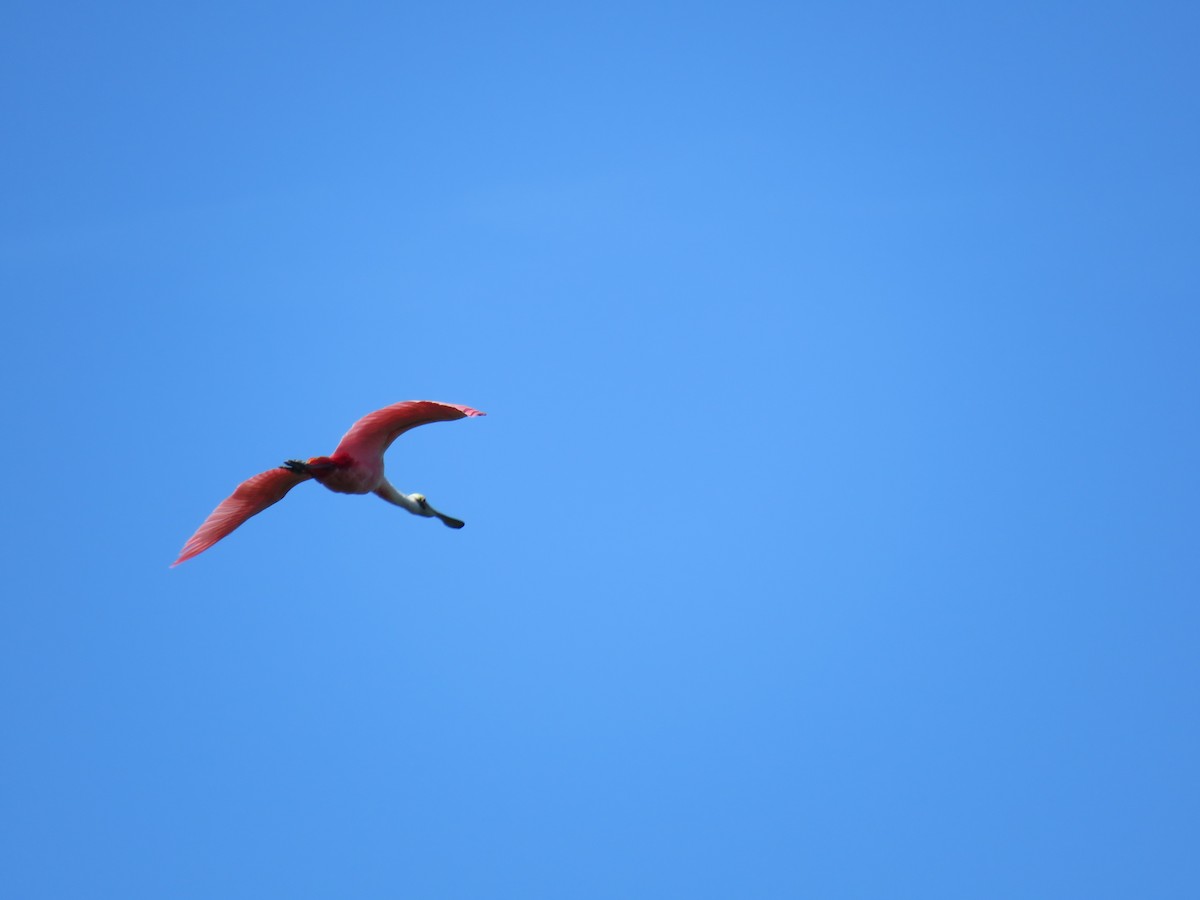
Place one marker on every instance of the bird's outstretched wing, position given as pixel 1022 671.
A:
pixel 251 497
pixel 371 435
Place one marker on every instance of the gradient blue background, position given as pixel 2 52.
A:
pixel 833 530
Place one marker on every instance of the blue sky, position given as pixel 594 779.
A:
pixel 832 532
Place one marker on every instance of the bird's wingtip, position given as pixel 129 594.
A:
pixel 462 408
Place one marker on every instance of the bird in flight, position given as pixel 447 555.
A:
pixel 356 467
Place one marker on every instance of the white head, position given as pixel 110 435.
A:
pixel 422 508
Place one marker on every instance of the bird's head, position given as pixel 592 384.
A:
pixel 424 509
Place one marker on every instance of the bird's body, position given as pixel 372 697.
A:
pixel 355 467
pixel 349 477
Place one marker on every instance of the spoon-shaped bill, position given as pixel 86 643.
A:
pixel 448 521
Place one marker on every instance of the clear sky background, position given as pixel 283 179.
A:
pixel 833 529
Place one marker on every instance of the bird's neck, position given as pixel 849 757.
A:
pixel 391 495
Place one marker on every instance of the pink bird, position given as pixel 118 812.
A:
pixel 356 467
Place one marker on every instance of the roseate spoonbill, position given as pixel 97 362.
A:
pixel 356 467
